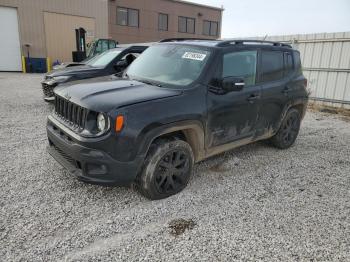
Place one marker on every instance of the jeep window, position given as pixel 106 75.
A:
pixel 298 63
pixel 103 59
pixel 112 44
pixel 240 64
pixel 136 55
pixel 102 45
pixel 288 63
pixel 169 64
pixel 272 65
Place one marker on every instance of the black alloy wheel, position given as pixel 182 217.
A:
pixel 171 171
pixel 167 169
pixel 289 130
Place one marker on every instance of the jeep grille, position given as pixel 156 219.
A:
pixel 71 113
pixel 48 89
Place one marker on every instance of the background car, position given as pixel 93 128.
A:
pixel 108 63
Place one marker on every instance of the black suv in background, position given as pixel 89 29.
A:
pixel 178 103
pixel 109 62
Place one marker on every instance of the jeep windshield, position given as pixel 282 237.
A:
pixel 103 59
pixel 177 65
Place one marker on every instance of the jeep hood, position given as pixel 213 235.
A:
pixel 73 70
pixel 67 64
pixel 103 95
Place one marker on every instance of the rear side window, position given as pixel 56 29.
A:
pixel 111 44
pixel 271 65
pixel 288 63
pixel 240 64
pixel 102 45
pixel 297 63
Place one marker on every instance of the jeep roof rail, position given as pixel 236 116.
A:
pixel 184 39
pixel 224 43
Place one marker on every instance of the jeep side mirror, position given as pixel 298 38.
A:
pixel 231 83
pixel 120 65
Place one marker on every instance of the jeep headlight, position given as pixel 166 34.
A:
pixel 102 122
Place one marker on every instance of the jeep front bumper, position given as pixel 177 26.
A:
pixel 86 163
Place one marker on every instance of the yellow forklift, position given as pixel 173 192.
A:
pixel 85 51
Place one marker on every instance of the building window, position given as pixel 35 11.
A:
pixel 122 16
pixel 127 16
pixel 210 28
pixel 186 25
pixel 163 22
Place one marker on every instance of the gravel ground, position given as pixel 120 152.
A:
pixel 252 203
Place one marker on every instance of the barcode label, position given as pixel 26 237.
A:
pixel 194 56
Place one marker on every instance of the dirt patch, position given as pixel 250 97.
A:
pixel 329 109
pixel 225 165
pixel 345 118
pixel 219 167
pixel 179 226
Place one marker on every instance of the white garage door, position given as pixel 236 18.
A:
pixel 10 49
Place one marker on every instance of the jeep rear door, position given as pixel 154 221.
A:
pixel 275 67
pixel 232 115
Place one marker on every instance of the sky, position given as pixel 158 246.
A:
pixel 245 18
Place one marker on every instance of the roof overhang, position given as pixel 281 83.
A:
pixel 200 5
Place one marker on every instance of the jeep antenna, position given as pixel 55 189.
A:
pixel 265 38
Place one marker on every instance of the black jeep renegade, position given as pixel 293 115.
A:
pixel 180 102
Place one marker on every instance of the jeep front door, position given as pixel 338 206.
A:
pixel 232 115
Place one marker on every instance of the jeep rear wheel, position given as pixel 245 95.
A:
pixel 288 131
pixel 167 169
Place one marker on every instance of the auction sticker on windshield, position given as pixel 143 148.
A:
pixel 194 56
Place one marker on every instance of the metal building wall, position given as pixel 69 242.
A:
pixel 326 65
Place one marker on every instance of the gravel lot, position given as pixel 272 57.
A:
pixel 253 203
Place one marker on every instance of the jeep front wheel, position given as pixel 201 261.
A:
pixel 167 169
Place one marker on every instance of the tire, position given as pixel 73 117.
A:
pixel 289 130
pixel 167 169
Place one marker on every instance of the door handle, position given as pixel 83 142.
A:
pixel 253 97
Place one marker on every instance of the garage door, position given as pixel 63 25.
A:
pixel 10 49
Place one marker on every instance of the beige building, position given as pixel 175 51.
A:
pixel 46 28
